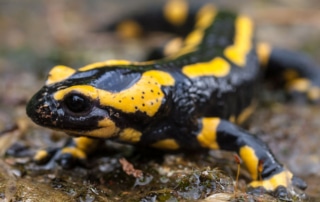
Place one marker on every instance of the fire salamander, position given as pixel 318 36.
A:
pixel 194 97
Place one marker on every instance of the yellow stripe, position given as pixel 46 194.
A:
pixel 242 42
pixel 205 18
pixel 208 135
pixel 217 67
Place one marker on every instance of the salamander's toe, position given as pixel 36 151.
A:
pixel 299 183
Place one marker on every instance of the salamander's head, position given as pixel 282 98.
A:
pixel 97 101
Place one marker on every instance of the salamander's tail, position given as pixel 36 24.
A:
pixel 299 74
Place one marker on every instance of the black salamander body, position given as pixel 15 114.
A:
pixel 190 99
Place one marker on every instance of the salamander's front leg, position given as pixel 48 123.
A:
pixel 75 151
pixel 265 171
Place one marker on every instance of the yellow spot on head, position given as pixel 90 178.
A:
pixel 217 67
pixel 161 77
pixel 129 29
pixel 237 52
pixel 263 51
pixel 208 135
pixel 250 159
pixel 281 179
pixel 59 73
pixel 169 144
pixel 176 12
pixel 130 135
pixel 145 96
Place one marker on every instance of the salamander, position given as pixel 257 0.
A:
pixel 194 94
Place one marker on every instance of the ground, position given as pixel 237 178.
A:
pixel 36 35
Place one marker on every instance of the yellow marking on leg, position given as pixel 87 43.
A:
pixel 173 46
pixel 59 73
pixel 281 179
pixel 205 16
pixel 86 144
pixel 129 29
pixel 169 144
pixel 40 155
pixel 75 152
pixel 263 51
pixel 237 52
pixel 250 159
pixel 176 12
pixel 299 85
pixel 217 67
pixel 208 135
pixel 130 135
pixel 145 96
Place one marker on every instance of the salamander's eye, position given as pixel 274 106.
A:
pixel 77 103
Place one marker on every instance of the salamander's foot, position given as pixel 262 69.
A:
pixel 66 157
pixel 74 153
pixel 278 185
